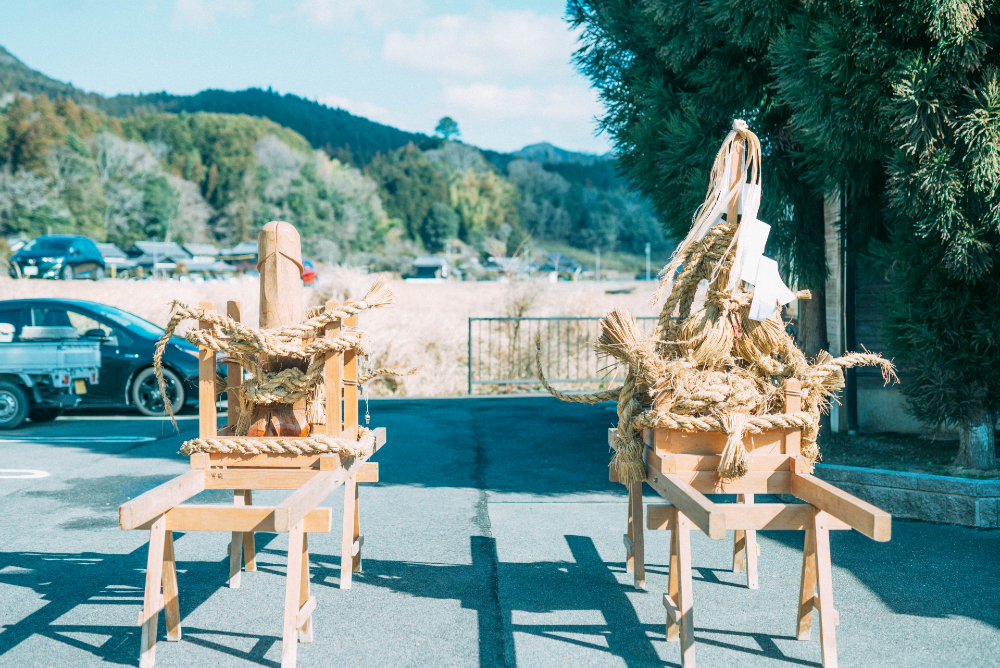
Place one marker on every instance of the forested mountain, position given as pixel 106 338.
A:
pixel 217 165
pixel 341 134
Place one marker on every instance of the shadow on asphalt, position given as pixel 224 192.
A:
pixel 66 581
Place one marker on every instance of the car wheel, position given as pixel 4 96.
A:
pixel 44 414
pixel 146 394
pixel 67 273
pixel 99 274
pixel 13 406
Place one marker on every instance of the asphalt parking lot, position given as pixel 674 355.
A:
pixel 493 539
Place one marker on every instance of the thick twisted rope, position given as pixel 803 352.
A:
pixel 300 445
pixel 245 345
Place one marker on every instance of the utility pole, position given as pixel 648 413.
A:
pixel 597 275
pixel 648 245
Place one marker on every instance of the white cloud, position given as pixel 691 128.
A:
pixel 514 43
pixel 345 13
pixel 369 110
pixel 202 13
pixel 492 102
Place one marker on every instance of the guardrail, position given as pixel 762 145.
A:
pixel 502 351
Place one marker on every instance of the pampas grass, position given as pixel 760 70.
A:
pixel 428 324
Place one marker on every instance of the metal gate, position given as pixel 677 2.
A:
pixel 502 351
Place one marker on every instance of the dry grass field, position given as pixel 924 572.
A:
pixel 428 325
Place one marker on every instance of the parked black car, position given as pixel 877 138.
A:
pixel 127 344
pixel 64 256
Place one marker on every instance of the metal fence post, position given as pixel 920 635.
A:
pixel 470 356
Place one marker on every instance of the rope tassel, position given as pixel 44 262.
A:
pixel 734 463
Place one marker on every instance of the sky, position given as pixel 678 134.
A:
pixel 502 69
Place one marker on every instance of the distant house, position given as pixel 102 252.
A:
pixel 243 256
pixel 202 250
pixel 116 261
pixel 430 268
pixel 158 255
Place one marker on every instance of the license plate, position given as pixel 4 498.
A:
pixel 29 271
pixel 81 386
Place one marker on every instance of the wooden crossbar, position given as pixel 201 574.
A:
pixel 158 500
pixel 758 517
pixel 866 518
pixel 257 519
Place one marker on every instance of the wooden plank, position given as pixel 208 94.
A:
pixel 688 462
pixel 234 374
pixel 293 583
pixel 210 517
pixel 199 461
pixel 333 377
pixel 206 383
pixel 143 508
pixel 866 518
pixel 807 586
pixel 636 529
pixel 221 459
pixel 678 441
pixel 249 548
pixel 673 584
pixel 751 544
pixel 347 536
pixel 686 590
pixel 755 482
pixel 303 621
pixel 171 602
pixel 236 546
pixel 824 586
pixel 702 512
pixel 258 478
pixel 793 404
pixel 613 473
pixel 761 517
pixel 673 612
pixel 351 381
pixel 152 599
pixel 288 513
pixel 356 545
pixel 305 612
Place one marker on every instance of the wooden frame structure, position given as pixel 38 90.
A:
pixel 313 477
pixel 681 467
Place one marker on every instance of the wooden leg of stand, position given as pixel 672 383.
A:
pixel 293 585
pixel 807 590
pixel 630 536
pixel 347 544
pixel 249 547
pixel 638 551
pixel 171 603
pixel 356 566
pixel 739 549
pixel 752 550
pixel 306 630
pixel 824 583
pixel 151 600
pixel 686 603
pixel 673 584
pixel 236 547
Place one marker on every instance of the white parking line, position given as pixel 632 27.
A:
pixel 79 439
pixel 23 473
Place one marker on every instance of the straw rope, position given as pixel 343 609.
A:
pixel 246 346
pixel 300 445
pixel 714 368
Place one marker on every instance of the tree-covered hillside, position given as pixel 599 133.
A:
pixel 218 165
pixel 341 134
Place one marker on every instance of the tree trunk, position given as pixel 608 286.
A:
pixel 977 442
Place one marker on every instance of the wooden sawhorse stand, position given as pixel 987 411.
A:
pixel 681 467
pixel 313 477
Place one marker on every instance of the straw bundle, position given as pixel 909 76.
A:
pixel 716 368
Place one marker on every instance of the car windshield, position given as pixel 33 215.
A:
pixel 49 244
pixel 134 323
